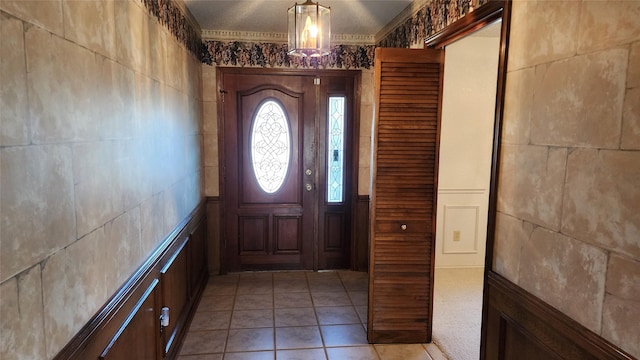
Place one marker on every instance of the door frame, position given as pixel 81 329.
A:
pixel 355 146
pixel 479 18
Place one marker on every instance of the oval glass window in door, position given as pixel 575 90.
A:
pixel 270 146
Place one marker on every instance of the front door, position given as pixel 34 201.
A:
pixel 281 211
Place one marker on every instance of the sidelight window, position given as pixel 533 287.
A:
pixel 335 149
pixel 270 146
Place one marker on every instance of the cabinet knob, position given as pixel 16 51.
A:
pixel 403 227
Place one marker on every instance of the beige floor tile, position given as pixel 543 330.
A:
pixel 353 353
pixel 250 340
pixel 252 355
pixel 285 301
pixel 298 337
pixel 201 357
pixel 344 335
pixel 220 289
pixel 330 298
pixel 358 298
pixel 294 299
pixel 337 315
pixel 254 302
pixel 256 276
pixel 362 313
pixel 295 317
pixel 303 354
pixel 402 352
pixel 254 287
pixel 434 351
pixel 210 320
pixel 204 342
pixel 354 281
pixel 325 284
pixel 290 275
pixel 290 285
pixel 250 319
pixel 216 303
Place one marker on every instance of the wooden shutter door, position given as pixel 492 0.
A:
pixel 403 197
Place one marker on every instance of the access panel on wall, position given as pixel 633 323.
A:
pixel 403 197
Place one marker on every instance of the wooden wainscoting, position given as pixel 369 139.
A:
pixel 360 235
pixel 521 326
pixel 214 236
pixel 128 326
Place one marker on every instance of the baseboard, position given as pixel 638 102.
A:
pixel 120 328
pixel 518 325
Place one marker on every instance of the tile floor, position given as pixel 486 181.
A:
pixel 289 315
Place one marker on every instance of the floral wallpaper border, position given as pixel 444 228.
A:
pixel 172 17
pixel 238 53
pixel 433 17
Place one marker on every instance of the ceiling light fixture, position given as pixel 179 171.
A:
pixel 309 29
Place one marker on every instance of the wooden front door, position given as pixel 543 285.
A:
pixel 273 176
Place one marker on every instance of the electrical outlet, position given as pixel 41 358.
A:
pixel 456 235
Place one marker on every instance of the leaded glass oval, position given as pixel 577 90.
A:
pixel 270 146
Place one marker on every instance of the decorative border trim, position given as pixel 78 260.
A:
pixel 251 54
pixel 432 18
pixel 409 12
pixel 233 35
pixel 173 17
pixel 264 49
pixel 274 37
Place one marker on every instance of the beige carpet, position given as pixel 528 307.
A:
pixel 457 312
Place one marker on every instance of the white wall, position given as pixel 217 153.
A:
pixel 465 150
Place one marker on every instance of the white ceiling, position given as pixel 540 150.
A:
pixel 359 17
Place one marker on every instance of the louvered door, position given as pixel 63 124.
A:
pixel 406 137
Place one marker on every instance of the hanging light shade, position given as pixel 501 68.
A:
pixel 309 29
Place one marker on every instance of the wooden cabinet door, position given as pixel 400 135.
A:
pixel 403 197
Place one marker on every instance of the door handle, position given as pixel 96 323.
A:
pixel 309 187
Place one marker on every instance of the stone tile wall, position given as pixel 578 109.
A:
pixel 210 130
pixel 568 226
pixel 100 158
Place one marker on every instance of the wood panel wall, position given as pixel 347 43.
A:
pixel 403 202
pixel 360 235
pixel 521 326
pixel 128 326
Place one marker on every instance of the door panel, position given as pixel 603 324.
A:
pixel 293 225
pixel 408 88
pixel 265 228
pixel 290 192
pixel 335 216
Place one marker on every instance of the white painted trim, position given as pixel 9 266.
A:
pixel 475 233
pixel 232 35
